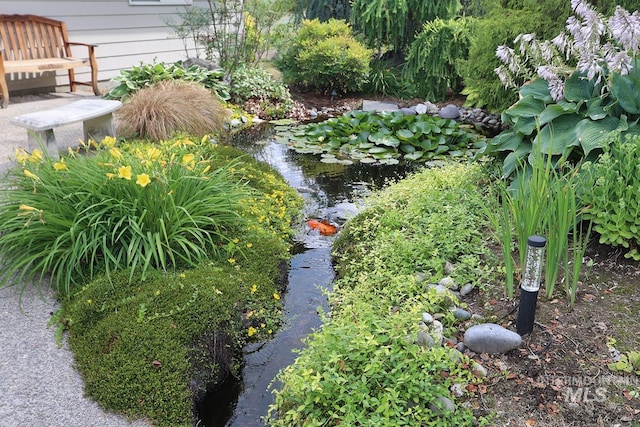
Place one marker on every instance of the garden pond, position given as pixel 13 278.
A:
pixel 332 194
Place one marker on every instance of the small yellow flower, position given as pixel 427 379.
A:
pixel 158 292
pixel 187 159
pixel 232 260
pixel 154 153
pixel 124 172
pixel 251 331
pixel 276 296
pixel 143 180
pixel 110 175
pixel 235 240
pixel 254 289
pixel 115 153
pixel 21 155
pixel 36 156
pixel 27 208
pixel 109 141
pixel 249 245
pixel 182 275
pixel 30 174
pixel 89 301
pixel 60 166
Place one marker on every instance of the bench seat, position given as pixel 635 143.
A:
pixel 95 114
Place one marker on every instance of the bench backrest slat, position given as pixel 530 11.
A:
pixel 32 37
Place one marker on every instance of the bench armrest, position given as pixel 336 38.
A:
pixel 82 44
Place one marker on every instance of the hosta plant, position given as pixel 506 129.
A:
pixel 371 137
pixel 572 107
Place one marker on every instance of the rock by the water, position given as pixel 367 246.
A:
pixel 421 109
pixel 431 108
pixel 449 111
pixel 448 267
pixel 411 111
pixel 442 405
pixel 491 338
pixel 479 370
pixel 437 331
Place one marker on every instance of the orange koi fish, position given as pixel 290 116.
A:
pixel 323 227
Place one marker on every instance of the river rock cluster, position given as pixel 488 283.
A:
pixel 480 338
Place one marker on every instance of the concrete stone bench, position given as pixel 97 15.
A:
pixel 95 114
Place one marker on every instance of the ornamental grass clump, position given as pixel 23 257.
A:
pixel 169 107
pixel 143 207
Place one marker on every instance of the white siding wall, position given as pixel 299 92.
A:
pixel 125 35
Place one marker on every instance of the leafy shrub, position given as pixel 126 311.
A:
pixel 393 24
pixel 611 192
pixel 325 57
pixel 371 137
pixel 147 206
pixel 481 85
pixel 159 111
pixel 364 366
pixel 432 62
pixel 144 75
pixel 257 85
pixel 384 79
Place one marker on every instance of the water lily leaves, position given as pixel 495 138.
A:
pixel 382 137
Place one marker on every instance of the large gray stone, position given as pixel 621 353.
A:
pixel 449 112
pixel 442 405
pixel 491 338
pixel 378 106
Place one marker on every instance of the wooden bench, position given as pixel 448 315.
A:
pixel 34 44
pixel 96 116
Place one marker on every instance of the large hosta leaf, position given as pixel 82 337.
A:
pixel 553 111
pixel 538 89
pixel 578 88
pixel 625 89
pixel 528 106
pixel 591 133
pixel 556 136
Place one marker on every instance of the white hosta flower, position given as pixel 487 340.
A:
pixel 625 28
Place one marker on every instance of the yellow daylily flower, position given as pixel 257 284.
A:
pixel 30 174
pixel 124 172
pixel 109 141
pixel 36 156
pixel 251 331
pixel 143 180
pixel 60 166
pixel 276 296
pixel 21 155
pixel 27 208
pixel 115 153
pixel 188 158
pixel 154 153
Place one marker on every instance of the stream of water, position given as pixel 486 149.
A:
pixel 333 193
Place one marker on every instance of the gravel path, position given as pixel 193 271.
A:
pixel 39 385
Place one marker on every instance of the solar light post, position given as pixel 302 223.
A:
pixel 530 284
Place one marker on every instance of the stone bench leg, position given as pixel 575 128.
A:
pixel 36 139
pixel 98 128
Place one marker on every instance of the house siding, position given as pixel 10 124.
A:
pixel 125 35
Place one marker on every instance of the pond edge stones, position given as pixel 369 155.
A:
pixel 491 338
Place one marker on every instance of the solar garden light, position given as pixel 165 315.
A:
pixel 530 284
